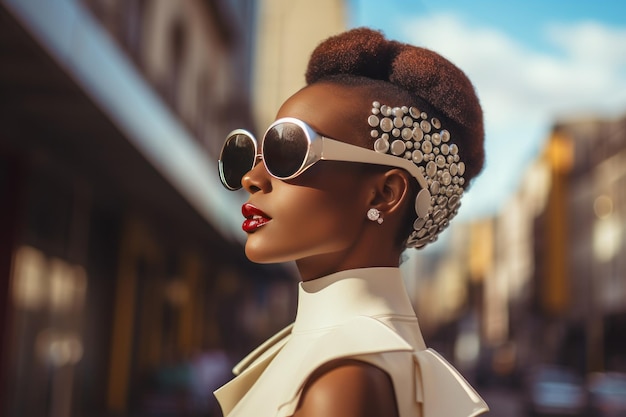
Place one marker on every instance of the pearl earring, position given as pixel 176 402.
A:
pixel 374 215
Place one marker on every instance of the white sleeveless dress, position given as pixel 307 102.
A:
pixel 363 314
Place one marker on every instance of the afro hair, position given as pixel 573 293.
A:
pixel 364 56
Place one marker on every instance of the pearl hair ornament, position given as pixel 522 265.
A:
pixel 409 133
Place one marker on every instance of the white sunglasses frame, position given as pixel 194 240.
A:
pixel 322 148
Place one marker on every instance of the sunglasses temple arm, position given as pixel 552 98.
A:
pixel 334 150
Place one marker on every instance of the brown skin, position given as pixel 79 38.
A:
pixel 319 218
pixel 319 221
pixel 348 388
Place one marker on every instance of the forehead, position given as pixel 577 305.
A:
pixel 333 110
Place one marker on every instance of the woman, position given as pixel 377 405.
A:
pixel 371 157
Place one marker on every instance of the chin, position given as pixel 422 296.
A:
pixel 262 254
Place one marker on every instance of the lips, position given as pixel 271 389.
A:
pixel 255 218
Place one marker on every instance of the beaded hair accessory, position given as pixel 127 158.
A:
pixel 409 133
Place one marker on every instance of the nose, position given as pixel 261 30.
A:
pixel 257 179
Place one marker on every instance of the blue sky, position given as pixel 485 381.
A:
pixel 532 63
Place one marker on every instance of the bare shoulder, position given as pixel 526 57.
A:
pixel 348 388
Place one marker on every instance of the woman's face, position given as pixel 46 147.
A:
pixel 319 215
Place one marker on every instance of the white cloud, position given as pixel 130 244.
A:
pixel 596 55
pixel 591 42
pixel 523 90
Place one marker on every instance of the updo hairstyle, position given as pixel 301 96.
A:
pixel 399 74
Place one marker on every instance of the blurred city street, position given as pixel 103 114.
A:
pixel 503 402
pixel 125 290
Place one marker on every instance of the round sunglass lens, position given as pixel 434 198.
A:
pixel 284 149
pixel 237 158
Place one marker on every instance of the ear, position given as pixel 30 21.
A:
pixel 392 188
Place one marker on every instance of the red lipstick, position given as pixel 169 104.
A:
pixel 255 218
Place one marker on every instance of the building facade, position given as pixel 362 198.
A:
pixel 121 260
pixel 597 224
pixel 288 31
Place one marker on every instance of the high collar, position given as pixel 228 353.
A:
pixel 331 300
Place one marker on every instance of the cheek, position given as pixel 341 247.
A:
pixel 331 211
pixel 324 216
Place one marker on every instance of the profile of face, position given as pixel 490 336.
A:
pixel 317 219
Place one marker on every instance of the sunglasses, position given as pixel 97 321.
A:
pixel 290 147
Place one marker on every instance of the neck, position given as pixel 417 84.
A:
pixel 322 265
